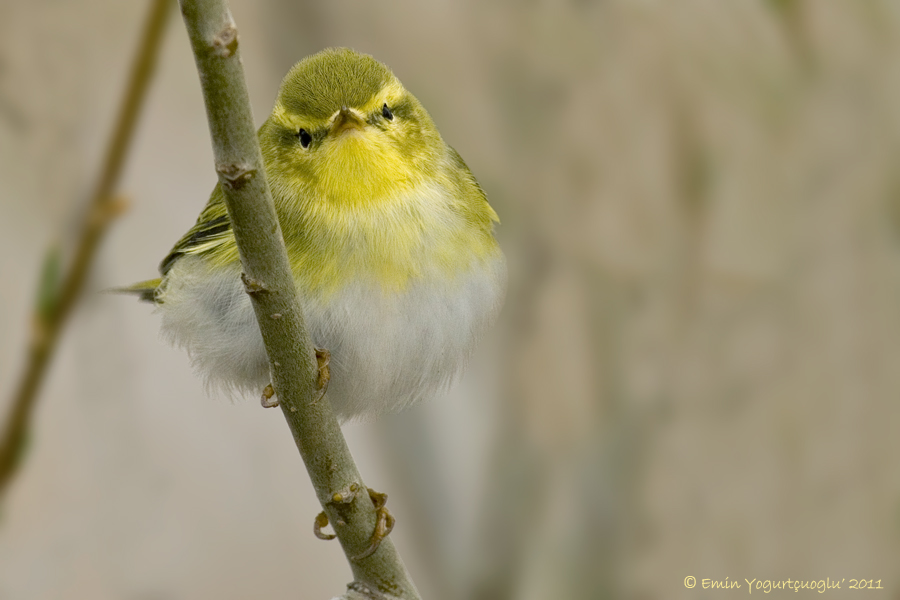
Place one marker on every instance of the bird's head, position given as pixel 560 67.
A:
pixel 345 130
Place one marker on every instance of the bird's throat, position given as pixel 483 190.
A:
pixel 360 169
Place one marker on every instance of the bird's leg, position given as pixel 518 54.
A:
pixel 384 522
pixel 267 395
pixel 383 525
pixel 322 521
pixel 323 357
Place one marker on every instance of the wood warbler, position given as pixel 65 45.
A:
pixel 389 236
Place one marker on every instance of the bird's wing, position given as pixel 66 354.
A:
pixel 212 230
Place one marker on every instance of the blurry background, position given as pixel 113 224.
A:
pixel 696 371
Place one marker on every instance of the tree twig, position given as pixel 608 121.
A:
pixel 268 281
pixel 56 300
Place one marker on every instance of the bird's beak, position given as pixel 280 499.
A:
pixel 346 120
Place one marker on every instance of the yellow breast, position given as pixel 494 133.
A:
pixel 421 234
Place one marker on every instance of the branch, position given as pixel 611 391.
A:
pixel 270 284
pixel 55 302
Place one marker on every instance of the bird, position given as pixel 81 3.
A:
pixel 390 240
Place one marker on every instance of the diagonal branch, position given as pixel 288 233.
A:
pixel 268 281
pixel 55 301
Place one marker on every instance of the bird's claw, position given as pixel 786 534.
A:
pixel 266 399
pixel 322 521
pixel 384 524
pixel 323 358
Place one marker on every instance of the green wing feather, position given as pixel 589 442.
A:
pixel 211 232
pixel 144 290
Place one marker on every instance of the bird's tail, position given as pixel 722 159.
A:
pixel 144 290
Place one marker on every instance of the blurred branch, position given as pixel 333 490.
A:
pixel 270 284
pixel 791 15
pixel 57 294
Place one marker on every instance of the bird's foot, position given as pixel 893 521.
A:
pixel 384 524
pixel 322 521
pixel 267 395
pixel 323 358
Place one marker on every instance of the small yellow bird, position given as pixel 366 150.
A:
pixel 389 236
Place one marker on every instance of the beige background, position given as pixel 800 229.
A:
pixel 696 372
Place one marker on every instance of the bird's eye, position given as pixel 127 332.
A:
pixel 386 113
pixel 305 138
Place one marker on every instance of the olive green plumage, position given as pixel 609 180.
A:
pixel 389 237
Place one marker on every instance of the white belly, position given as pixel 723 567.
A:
pixel 387 351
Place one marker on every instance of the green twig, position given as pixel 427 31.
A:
pixel 57 295
pixel 268 281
